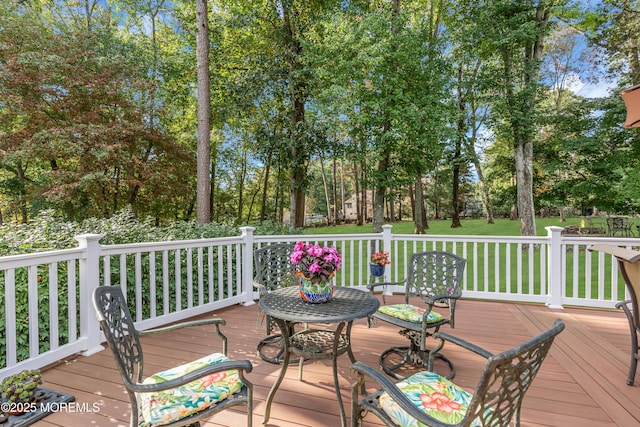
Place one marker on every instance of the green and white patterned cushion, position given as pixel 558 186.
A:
pixel 410 313
pixel 434 395
pixel 163 407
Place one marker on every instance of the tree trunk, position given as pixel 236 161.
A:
pixel 419 214
pixel 265 188
pixel 436 200
pixel 241 178
pixel 22 184
pixel 412 202
pixel 204 114
pixel 455 196
pixel 296 101
pixel 342 207
pixel 455 191
pixel 326 189
pixel 488 209
pixel 357 193
pixel 379 193
pixel 335 190
pixel 524 177
pixel 364 198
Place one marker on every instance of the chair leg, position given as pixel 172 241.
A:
pixel 634 342
pixel 414 356
pixel 632 369
pixel 633 366
pixel 356 411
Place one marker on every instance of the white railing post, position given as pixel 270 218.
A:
pixel 386 245
pixel 89 281
pixel 555 277
pixel 247 265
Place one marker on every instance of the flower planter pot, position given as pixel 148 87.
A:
pixel 315 293
pixel 377 270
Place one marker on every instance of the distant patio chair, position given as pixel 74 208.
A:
pixel 180 396
pixel 274 270
pixel 629 264
pixel 619 225
pixel 428 399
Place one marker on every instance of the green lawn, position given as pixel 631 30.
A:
pixel 502 227
pixel 470 227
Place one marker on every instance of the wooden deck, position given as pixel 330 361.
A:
pixel 582 382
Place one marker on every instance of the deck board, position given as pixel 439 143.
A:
pixel 582 382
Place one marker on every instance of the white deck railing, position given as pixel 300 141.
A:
pixel 48 313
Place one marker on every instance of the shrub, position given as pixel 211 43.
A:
pixel 46 232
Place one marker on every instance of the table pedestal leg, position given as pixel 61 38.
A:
pixel 336 341
pixel 283 325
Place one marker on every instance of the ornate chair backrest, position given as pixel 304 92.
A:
pixel 506 378
pixel 617 223
pixel 116 323
pixel 433 273
pixel 273 267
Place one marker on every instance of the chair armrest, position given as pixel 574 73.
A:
pixel 215 321
pixel 241 365
pixel 464 344
pixel 455 295
pixel 372 286
pixel 623 304
pixel 262 289
pixel 398 396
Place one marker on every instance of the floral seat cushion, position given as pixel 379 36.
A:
pixel 434 395
pixel 410 313
pixel 163 407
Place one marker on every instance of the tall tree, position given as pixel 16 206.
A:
pixel 516 32
pixel 204 113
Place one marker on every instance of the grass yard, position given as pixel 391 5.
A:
pixel 494 279
pixel 470 227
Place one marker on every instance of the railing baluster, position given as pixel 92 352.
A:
pixel 555 271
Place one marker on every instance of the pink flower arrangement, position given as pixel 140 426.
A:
pixel 316 263
pixel 380 258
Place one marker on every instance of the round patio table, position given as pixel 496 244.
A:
pixel 285 306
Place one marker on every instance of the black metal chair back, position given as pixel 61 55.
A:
pixel 436 273
pixel 273 270
pixel 506 378
pixel 123 339
pixel 273 267
pixel 434 277
pixel 497 398
pixel 117 326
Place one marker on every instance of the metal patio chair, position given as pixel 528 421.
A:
pixel 620 225
pixel 432 400
pixel 434 277
pixel 273 271
pixel 629 264
pixel 179 396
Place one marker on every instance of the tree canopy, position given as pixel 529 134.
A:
pixel 404 109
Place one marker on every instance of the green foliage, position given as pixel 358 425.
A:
pixel 46 232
